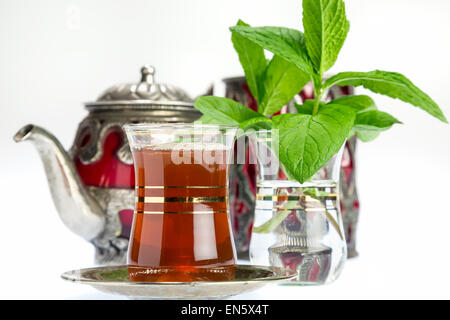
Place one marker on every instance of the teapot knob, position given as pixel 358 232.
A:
pixel 148 74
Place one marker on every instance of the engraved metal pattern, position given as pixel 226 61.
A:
pixel 146 101
pixel 147 90
pixel 99 124
pixel 124 153
pixel 98 131
pixel 110 248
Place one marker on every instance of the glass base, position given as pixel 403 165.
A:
pixel 298 226
pixel 312 264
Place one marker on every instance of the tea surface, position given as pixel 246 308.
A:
pixel 181 228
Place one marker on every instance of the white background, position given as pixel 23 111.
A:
pixel 57 54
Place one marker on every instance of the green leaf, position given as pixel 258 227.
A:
pixel 282 80
pixel 252 59
pixel 224 111
pixel 307 142
pixel 306 107
pixel 369 124
pixel 326 28
pixel 365 135
pixel 284 42
pixel 375 118
pixel 313 192
pixel 257 123
pixel 207 120
pixel 391 84
pixel 358 103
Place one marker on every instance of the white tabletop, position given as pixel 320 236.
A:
pixel 358 281
pixel 403 237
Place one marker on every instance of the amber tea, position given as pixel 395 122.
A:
pixel 181 230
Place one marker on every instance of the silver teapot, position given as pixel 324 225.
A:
pixel 92 184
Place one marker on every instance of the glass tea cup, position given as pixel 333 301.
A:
pixel 296 225
pixel 181 228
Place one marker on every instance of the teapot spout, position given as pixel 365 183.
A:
pixel 78 210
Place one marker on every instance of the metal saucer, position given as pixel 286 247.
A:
pixel 114 280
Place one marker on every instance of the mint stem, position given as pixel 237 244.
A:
pixel 317 101
pixel 318 91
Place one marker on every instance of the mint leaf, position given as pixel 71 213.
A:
pixel 284 42
pixel 307 142
pixel 313 192
pixel 358 103
pixel 394 85
pixel 306 107
pixel 282 80
pixel 376 119
pixel 257 123
pixel 326 28
pixel 223 110
pixel 365 135
pixel 369 124
pixel 252 59
pixel 207 119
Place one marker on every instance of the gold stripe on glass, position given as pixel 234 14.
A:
pixel 179 187
pixel 295 187
pixel 179 212
pixel 181 199
pixel 281 208
pixel 300 208
pixel 281 197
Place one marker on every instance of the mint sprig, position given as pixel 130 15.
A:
pixel 307 142
pixel 357 102
pixel 311 137
pixel 284 42
pixel 281 81
pixel 252 59
pixel 326 28
pixel 391 84
pixel 224 111
pixel 369 124
pixel 369 121
pixel 272 83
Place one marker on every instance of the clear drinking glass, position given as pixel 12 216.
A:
pixel 296 226
pixel 181 227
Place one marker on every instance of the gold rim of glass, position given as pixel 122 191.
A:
pixel 145 127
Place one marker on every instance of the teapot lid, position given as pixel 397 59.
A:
pixel 146 92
